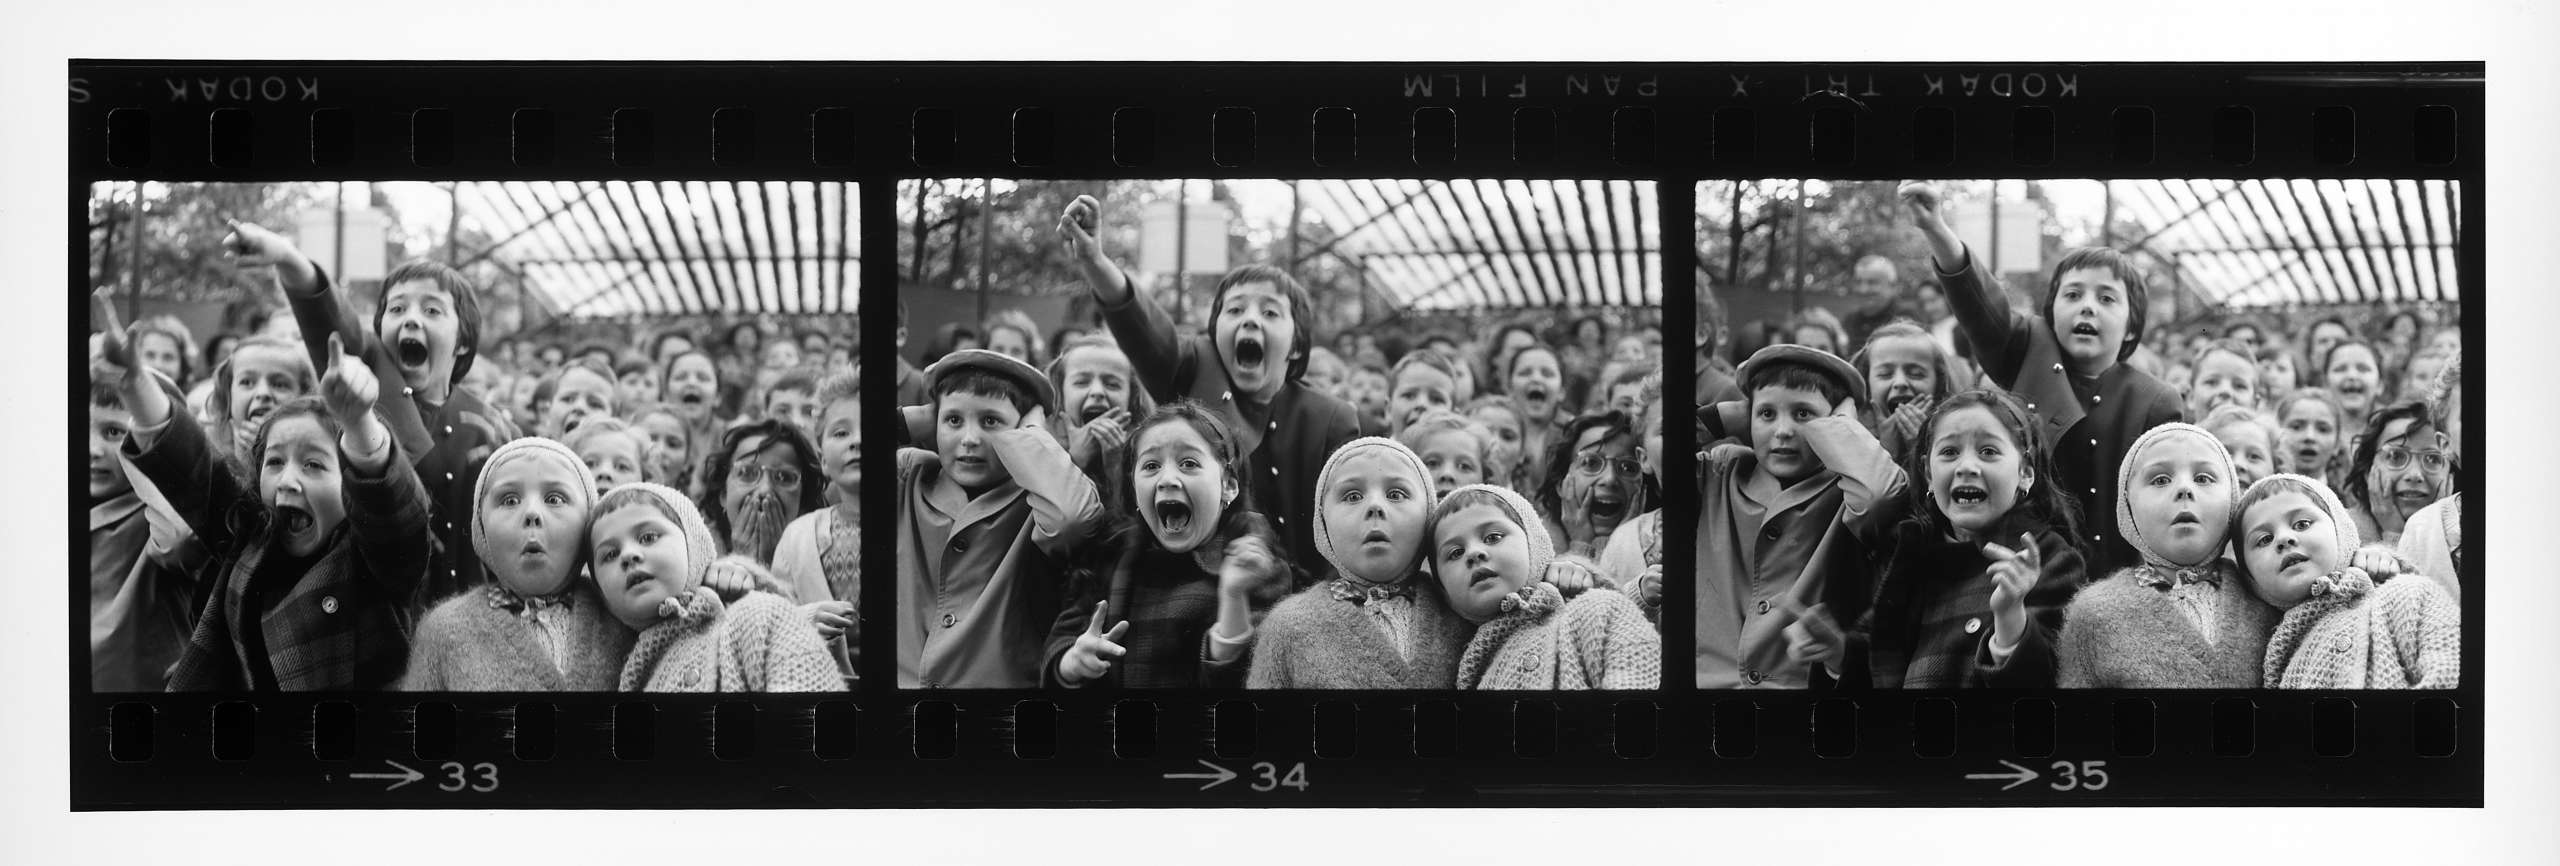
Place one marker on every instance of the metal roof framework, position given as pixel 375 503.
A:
pixel 650 248
pixel 2266 243
pixel 1494 244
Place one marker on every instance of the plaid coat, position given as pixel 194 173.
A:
pixel 1931 624
pixel 446 444
pixel 341 624
pixel 1171 606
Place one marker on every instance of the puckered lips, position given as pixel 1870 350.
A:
pixel 1377 535
pixel 2186 519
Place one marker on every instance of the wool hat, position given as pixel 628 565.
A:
pixel 2130 465
pixel 1819 361
pixel 1542 547
pixel 526 448
pixel 2344 522
pixel 1004 366
pixel 699 548
pixel 1324 479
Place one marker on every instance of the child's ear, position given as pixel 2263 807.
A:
pixel 1228 491
pixel 2026 480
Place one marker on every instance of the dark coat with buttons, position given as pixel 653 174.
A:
pixel 338 622
pixel 1287 441
pixel 1931 625
pixel 446 444
pixel 2090 421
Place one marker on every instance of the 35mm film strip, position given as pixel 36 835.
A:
pixel 793 222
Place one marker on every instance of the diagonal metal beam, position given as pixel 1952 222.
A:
pixel 485 252
pixel 1390 210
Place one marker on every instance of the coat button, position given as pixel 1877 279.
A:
pixel 1275 472
pixel 1764 605
pixel 2057 368
pixel 1771 533
pixel 328 604
pixel 1226 395
pixel 959 545
pixel 2101 398
pixel 408 392
pixel 448 476
pixel 1973 625
pixel 949 620
pixel 1752 677
pixel 1275 425
pixel 448 430
pixel 2031 407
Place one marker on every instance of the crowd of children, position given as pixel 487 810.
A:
pixel 2062 495
pixel 2066 496
pixel 1244 505
pixel 381 507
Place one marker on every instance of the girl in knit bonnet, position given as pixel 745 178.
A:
pixel 2185 617
pixel 652 554
pixel 538 625
pixel 2347 623
pixel 1490 552
pixel 1373 625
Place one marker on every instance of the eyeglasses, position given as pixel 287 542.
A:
pixel 1594 463
pixel 2396 458
pixel 750 473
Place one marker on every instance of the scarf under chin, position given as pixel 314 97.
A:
pixel 2132 463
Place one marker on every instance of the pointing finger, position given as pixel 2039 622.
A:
pixel 1101 610
pixel 1113 636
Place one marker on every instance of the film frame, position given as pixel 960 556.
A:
pixel 1671 124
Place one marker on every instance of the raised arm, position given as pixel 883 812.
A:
pixel 1065 505
pixel 167 447
pixel 323 314
pixel 1146 334
pixel 387 504
pixel 1996 332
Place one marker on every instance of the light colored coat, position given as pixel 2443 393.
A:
pixel 1598 640
pixel 2351 634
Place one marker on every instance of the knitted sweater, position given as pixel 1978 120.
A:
pixel 467 644
pixel 760 644
pixel 1313 640
pixel 2125 632
pixel 1598 640
pixel 2351 634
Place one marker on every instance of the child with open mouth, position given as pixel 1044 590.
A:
pixel 2067 360
pixel 423 338
pixel 318 588
pixel 1489 554
pixel 2352 370
pixel 652 554
pixel 1908 374
pixel 1249 367
pixel 1099 392
pixel 2311 424
pixel 693 394
pixel 1422 381
pixel 2185 617
pixel 540 625
pixel 2354 618
pixel 1595 482
pixel 2402 464
pixel 1374 624
pixel 1185 576
pixel 1535 381
pixel 1973 592
pixel 262 373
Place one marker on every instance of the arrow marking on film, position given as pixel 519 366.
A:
pixel 405 775
pixel 2017 775
pixel 1217 775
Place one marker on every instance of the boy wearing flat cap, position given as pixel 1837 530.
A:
pixel 989 507
pixel 1788 522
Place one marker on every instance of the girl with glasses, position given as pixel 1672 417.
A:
pixel 2401 465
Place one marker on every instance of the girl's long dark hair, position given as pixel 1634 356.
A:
pixel 1125 536
pixel 2047 505
pixel 251 517
pixel 1559 460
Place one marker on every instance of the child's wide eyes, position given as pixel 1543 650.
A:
pixel 649 537
pixel 1353 495
pixel 2161 480
pixel 2204 478
pixel 508 500
pixel 1398 494
pixel 1150 465
pixel 2301 523
pixel 1493 537
pixel 556 499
